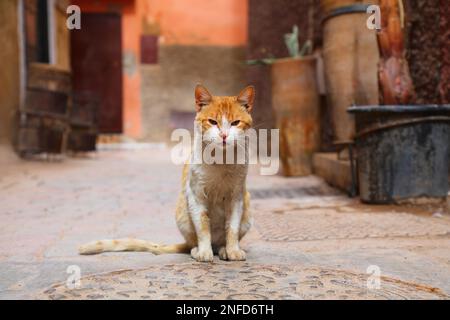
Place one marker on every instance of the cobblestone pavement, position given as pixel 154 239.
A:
pixel 238 281
pixel 309 241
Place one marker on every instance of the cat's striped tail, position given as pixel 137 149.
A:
pixel 109 245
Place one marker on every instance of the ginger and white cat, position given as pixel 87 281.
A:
pixel 212 212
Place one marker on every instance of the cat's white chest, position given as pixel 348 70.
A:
pixel 220 186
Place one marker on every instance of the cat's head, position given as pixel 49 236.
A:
pixel 224 120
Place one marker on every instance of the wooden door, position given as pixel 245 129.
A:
pixel 96 57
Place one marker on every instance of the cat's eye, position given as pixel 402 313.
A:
pixel 213 122
pixel 235 123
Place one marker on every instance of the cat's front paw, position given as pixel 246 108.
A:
pixel 235 254
pixel 205 255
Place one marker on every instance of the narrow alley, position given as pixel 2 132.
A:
pixel 309 241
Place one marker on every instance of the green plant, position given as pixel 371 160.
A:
pixel 291 41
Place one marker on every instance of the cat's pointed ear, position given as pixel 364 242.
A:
pixel 247 97
pixel 202 97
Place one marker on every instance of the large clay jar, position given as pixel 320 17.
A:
pixel 295 102
pixel 350 54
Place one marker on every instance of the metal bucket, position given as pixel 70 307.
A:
pixel 402 152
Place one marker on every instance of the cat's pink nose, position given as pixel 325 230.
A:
pixel 223 135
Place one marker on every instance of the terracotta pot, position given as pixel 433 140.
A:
pixel 295 102
pixel 350 55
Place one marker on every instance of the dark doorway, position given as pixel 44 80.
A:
pixel 36 31
pixel 96 55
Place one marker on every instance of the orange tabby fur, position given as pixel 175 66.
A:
pixel 212 211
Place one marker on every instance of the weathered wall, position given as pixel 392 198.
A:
pixel 428 46
pixel 188 31
pixel 9 75
pixel 444 34
pixel 444 38
pixel 169 85
pixel 200 41
pixel 198 22
pixel 268 22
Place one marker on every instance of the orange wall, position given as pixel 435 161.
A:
pixel 183 22
pixel 198 22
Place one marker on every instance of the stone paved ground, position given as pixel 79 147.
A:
pixel 309 240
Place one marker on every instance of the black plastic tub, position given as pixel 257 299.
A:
pixel 402 152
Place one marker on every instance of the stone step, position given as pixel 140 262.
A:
pixel 334 171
